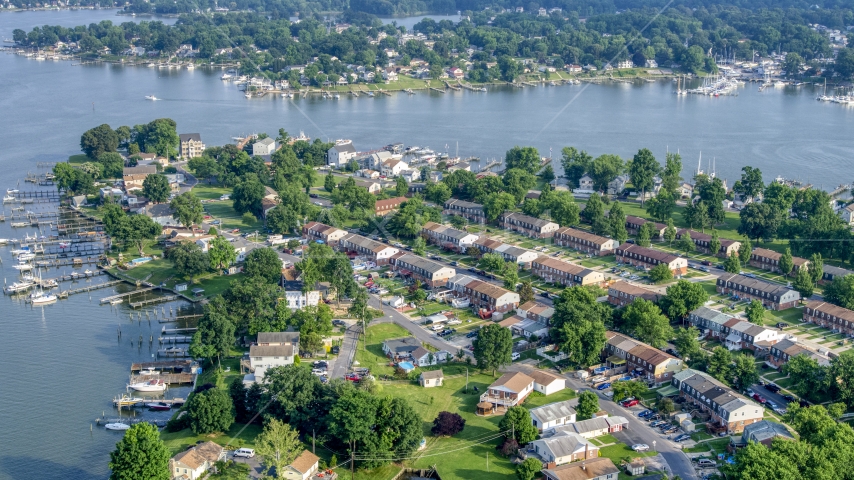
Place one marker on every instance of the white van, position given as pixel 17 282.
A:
pixel 244 452
pixel 515 356
pixel 438 326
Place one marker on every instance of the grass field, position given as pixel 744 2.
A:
pixel 79 158
pixel 373 357
pixel 239 435
pixel 224 211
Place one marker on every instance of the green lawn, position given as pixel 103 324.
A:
pixel 239 435
pixel 210 192
pixel 372 356
pixel 79 158
pixel 224 211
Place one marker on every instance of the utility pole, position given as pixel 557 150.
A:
pixel 467 379
pixel 313 441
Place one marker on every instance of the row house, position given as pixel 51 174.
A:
pixel 584 241
pixel 433 274
pixel 473 212
pixel 314 231
pixel 641 359
pixel 781 352
pixel 632 254
pixel 623 293
pixel 375 251
pixel 483 294
pixel 633 225
pixel 384 207
pixel 448 237
pixel 529 226
pixel 742 334
pixel 552 270
pixel 704 240
pixel 830 316
pixel 536 311
pixel 829 273
pixel 710 322
pixel 772 295
pixel 770 260
pixel 728 409
pixel 510 253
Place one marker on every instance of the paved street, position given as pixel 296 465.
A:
pixel 341 364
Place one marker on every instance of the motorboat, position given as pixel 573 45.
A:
pixel 64 244
pixel 190 66
pixel 8 198
pixel 225 76
pixel 26 257
pixel 116 301
pixel 151 97
pixel 156 385
pixel 159 406
pixel 117 426
pixel 24 267
pixel 87 272
pixel 19 251
pixel 148 371
pixel 12 191
pixel 4 241
pixel 19 286
pixel 247 95
pixel 42 298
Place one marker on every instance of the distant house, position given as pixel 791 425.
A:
pixel 592 428
pixel 770 260
pixel 195 462
pixel 772 295
pixel 727 408
pixel 640 359
pixel 624 293
pixel 847 213
pixel 552 415
pixel 78 201
pixel 547 383
pixel 393 167
pixel 625 64
pixel 781 352
pixel 563 448
pixel 510 253
pixel 483 294
pixel 431 378
pixel 263 357
pixel 584 241
pixel 264 147
pixel 829 273
pixel 318 231
pixel 370 186
pixel 830 316
pixel 472 212
pixel 303 467
pixel 401 347
pixel 633 225
pixel 340 154
pixel 161 213
pixel 704 240
pixel 527 225
pixel 431 273
pixel 585 185
pixel 191 145
pixel 384 207
pixel 375 251
pixel 139 170
pixel 448 237
pixel 635 255
pixel 552 270
pixel 763 432
pixel 534 310
pixel 591 469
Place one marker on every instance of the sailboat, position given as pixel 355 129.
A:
pixel 40 297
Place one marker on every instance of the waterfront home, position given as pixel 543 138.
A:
pixel 772 295
pixel 829 273
pixel 637 256
pixel 264 147
pixel 161 213
pixel 297 299
pixel 584 241
pixel 195 462
pixel 553 415
pixel 340 154
pixel 411 175
pixel 357 245
pixel 384 207
pixel 133 182
pixel 563 448
pixel 473 212
pixel 403 347
pixel 729 410
pixel 537 311
pixel 191 145
pixel 591 428
pixel 763 432
pixel 573 68
pixel 704 240
pixel 618 185
pixel 314 231
pixel 272 339
pixel 263 357
pixel 78 201
pixel 393 167
pixel 447 237
pixel 770 260
pixel 527 225
pixel 633 225
pixel 830 316
pixel 430 273
pixel 431 378
pixel 781 352
pixel 509 390
pixel 585 185
pixel 552 270
pixel 624 293
pixel 642 360
pixel 847 213
pixel 483 294
pixel 601 468
pixel 710 322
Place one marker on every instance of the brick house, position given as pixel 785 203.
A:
pixel 473 212
pixel 829 273
pixel 527 225
pixel 483 294
pixel 781 352
pixel 624 293
pixel 641 359
pixel 536 311
pixel 772 295
pixel 770 260
pixel 318 231
pixel 384 207
pixel 433 274
pixel 703 240
pixel 728 409
pixel 632 254
pixel 585 241
pixel 375 251
pixel 633 224
pixel 552 270
pixel 448 237
pixel 830 316
pixel 710 322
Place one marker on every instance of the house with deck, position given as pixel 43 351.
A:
pixel 585 241
pixel 509 390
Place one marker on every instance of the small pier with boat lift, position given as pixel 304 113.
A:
pixel 89 288
pixel 174 352
pixel 173 372
pixel 127 294
pixel 175 339
pixel 177 318
pixel 130 421
pixel 150 301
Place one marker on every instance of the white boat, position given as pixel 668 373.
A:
pixel 336 96
pixel 4 241
pixel 8 198
pixel 24 267
pixel 12 191
pixel 225 76
pixel 117 426
pixel 248 95
pixel 151 65
pixel 190 66
pixel 148 371
pixel 116 301
pixel 25 257
pixel 151 97
pixel 87 272
pixel 19 251
pixel 64 244
pixel 149 386
pixel 41 298
pixel 19 286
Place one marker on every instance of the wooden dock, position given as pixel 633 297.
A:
pixel 179 318
pixel 175 331
pixel 169 378
pixel 89 288
pixel 127 294
pixel 175 339
pixel 166 365
pixel 174 352
pixel 437 89
pixel 150 301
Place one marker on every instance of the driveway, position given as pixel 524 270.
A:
pixel 341 365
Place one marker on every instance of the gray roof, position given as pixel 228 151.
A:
pixel 432 374
pixel 271 351
pixel 421 262
pixel 591 425
pixel 159 210
pixel 402 345
pixel 712 315
pixel 266 141
pixel 755 283
pixel 345 147
pixel 553 411
pixel 566 443
pixel 836 271
pixel 278 337
pixel 537 222
pixel 764 430
pixel 139 170
pixel 185 137
pixel 462 204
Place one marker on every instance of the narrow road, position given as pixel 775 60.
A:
pixel 417 331
pixel 341 365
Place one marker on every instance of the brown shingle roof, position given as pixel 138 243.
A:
pixel 196 456
pixel 544 378
pixel 635 291
pixel 516 382
pixel 830 309
pixel 582 235
pixel 652 253
pixel 583 470
pixel 304 462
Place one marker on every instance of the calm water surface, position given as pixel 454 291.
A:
pixel 63 363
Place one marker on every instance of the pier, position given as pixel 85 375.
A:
pixel 178 318
pixel 150 301
pixel 437 90
pixel 89 288
pixel 172 331
pixel 127 294
pixel 169 378
pixel 175 339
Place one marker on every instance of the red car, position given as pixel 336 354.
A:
pixel 630 403
pixel 759 398
pixel 353 377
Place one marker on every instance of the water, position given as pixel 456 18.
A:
pixel 63 362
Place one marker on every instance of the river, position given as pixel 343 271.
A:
pixel 64 362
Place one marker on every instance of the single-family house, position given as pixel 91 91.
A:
pixel 635 255
pixel 763 432
pixel 552 415
pixel 509 390
pixel 303 467
pixel 369 185
pixel 547 383
pixel 772 295
pixel 586 185
pixel 593 427
pixel 584 241
pixel 161 213
pixel 601 468
pixel 431 378
pixel 340 154
pixel 563 448
pixel 191 145
pixel 272 339
pixel 263 357
pixel 392 167
pixel 403 347
pixel 847 213
pixel 526 225
pixel 264 147
pixel 195 462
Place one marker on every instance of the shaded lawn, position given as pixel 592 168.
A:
pixel 238 435
pixel 210 192
pixel 371 355
pixel 225 212
pixel 79 158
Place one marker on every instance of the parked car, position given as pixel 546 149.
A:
pixel 653 417
pixel 771 405
pixel 640 447
pixel 545 295
pixel 788 398
pixel 630 403
pixel 772 387
pixel 335 350
pixel 645 413
pixel 672 429
pixel 514 356
pixel 604 386
pixel 244 452
pixel 782 325
pixel 705 462
pixel 681 438
pixel 312 195
pixel 759 398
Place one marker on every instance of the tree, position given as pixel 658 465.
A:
pixel 158 136
pixel 524 158
pixel 563 209
pixel 548 174
pixel 646 322
pixel 210 411
pixel 594 209
pixel 265 263
pixel 816 268
pixel 138 230
pixel 670 232
pixel 720 364
pixel 329 182
pixel 529 469
pixel 473 252
pixel 670 176
pixel 644 237
pixel 732 264
pixel 803 282
pixel 661 206
pixel 578 324
pixel 401 188
pixel 438 193
pixel 686 342
pixel 140 454
pixel 810 380
pixel 247 195
pixel 239 398
pixel 492 347
pixel 759 221
pixel 511 275
pixel 516 182
pixel 617 220
pixel 497 203
pixel 685 243
pixel 628 388
pixel 665 407
pixel 526 292
pixel 447 424
pixel 98 140
pixel 189 259
pixel 156 188
pixel 588 405
pixel 278 444
pixel 714 243
pixel 660 273
pixel 841 291
pixel 842 374
pixel 215 334
pixel 642 170
pixel 751 183
pixel 744 251
pixel 575 164
pixel 682 298
pixel 112 163
pixel 205 167
pixel 518 421
pixel 755 312
pixel 458 222
pixel 604 169
pixel 792 64
pixel 744 372
pixel 786 262
pixel 419 245
pixel 221 253
pixel 187 209
pixel 492 262
pixel 697 215
pixel 281 219
pixel 509 68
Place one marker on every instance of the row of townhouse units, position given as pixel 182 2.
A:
pixel 772 295
pixel 315 231
pixel 829 273
pixel 633 225
pixel 785 350
pixel 640 359
pixel 447 237
pixel 728 409
pixel 637 256
pixel 483 294
pixel 473 212
pixel 585 241
pixel 433 274
pixel 830 316
pixel 389 205
pixel 527 225
pixel 622 293
pixel 552 270
pixel 770 260
pixel 735 333
pixel 375 251
pixel 703 242
pixel 532 318
pixel 511 253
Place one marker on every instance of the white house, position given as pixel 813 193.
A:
pixel 265 146
pixel 340 154
pixel 393 167
pixel 424 358
pixel 547 383
pixel 552 415
pixel 509 390
pixel 196 461
pixel 297 299
pixel 564 448
pixel 262 357
pixel 431 378
pixel 303 467
pixel 585 185
pixel 847 213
